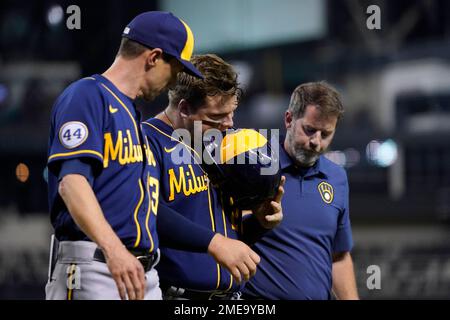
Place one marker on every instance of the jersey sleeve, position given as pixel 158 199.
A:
pixel 77 124
pixel 343 240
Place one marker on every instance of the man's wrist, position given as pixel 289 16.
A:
pixel 214 243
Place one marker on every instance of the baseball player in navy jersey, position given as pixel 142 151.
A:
pixel 185 187
pixel 102 195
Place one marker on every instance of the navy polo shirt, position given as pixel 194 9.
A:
pixel 296 256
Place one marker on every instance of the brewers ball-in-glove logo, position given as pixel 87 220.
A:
pixel 326 192
pixel 72 134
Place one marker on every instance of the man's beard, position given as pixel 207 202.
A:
pixel 303 157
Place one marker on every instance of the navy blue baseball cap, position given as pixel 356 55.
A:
pixel 158 29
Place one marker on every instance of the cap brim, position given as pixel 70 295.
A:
pixel 190 69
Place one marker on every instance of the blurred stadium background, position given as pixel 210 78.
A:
pixel 394 140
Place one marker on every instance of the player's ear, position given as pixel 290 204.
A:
pixel 183 108
pixel 288 119
pixel 153 55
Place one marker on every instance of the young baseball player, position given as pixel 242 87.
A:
pixel 192 273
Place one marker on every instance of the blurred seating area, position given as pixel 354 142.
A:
pixel 414 261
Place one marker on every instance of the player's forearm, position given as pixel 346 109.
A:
pixel 84 208
pixel 344 282
pixel 177 232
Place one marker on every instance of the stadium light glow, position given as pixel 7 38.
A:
pixel 55 15
pixel 382 154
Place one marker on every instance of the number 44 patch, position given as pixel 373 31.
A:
pixel 72 134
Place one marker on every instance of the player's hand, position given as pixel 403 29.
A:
pixel 128 273
pixel 270 212
pixel 235 256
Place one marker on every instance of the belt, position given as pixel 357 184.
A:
pixel 148 260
